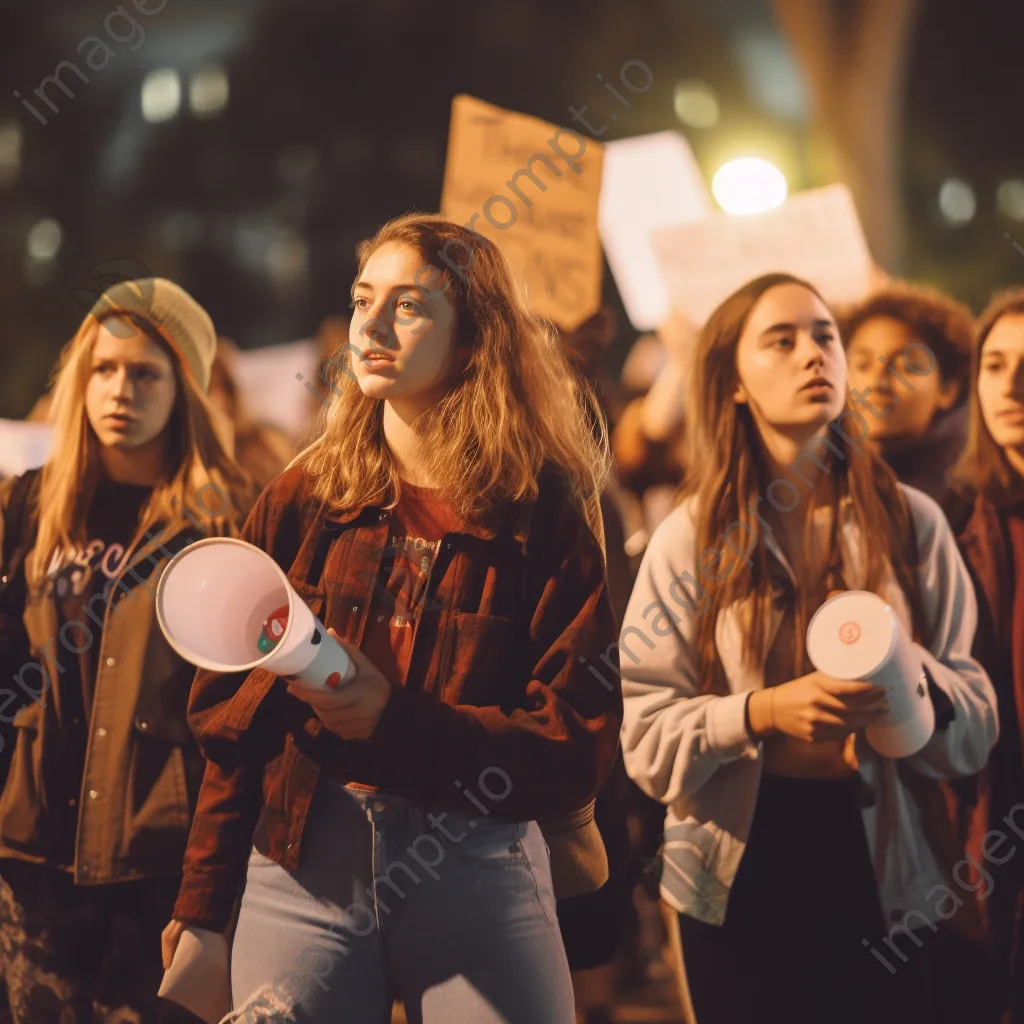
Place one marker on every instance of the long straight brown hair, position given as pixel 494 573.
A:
pixel 983 466
pixel 728 467
pixel 516 405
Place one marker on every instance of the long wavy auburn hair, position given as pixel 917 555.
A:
pixel 516 405
pixel 983 466
pixel 197 457
pixel 728 467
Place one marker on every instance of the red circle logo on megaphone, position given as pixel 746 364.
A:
pixel 849 632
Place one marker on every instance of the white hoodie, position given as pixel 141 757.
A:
pixel 692 751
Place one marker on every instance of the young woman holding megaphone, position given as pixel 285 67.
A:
pixel 103 772
pixel 387 828
pixel 794 848
pixel 988 514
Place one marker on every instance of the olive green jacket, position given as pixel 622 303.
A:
pixel 136 796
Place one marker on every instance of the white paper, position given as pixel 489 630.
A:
pixel 648 182
pixel 815 235
pixel 266 378
pixel 23 446
pixel 199 977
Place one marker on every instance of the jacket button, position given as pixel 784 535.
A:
pixel 93 794
pixel 101 732
pixel 72 802
pixel 111 662
pixel 355 607
pixel 289 846
pixel 143 725
pixel 3 579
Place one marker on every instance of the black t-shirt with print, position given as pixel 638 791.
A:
pixel 111 526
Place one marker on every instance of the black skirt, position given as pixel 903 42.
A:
pixel 803 918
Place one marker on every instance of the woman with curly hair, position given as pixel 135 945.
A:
pixel 909 354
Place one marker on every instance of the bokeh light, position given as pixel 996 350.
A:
pixel 208 92
pixel 696 103
pixel 957 202
pixel 1010 198
pixel 749 185
pixel 161 95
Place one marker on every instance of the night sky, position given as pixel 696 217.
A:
pixel 337 120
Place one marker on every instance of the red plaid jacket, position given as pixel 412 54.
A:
pixel 500 677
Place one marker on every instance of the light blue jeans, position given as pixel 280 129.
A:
pixel 452 914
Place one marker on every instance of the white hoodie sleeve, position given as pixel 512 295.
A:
pixel 951 616
pixel 673 738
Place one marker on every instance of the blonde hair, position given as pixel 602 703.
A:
pixel 199 462
pixel 515 405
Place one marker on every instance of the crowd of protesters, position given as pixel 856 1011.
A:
pixel 479 510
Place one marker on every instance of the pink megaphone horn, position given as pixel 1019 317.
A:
pixel 227 606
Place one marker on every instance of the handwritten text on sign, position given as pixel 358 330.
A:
pixel 532 188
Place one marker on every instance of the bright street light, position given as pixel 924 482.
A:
pixel 749 185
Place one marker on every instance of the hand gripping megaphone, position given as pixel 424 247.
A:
pixel 227 606
pixel 856 635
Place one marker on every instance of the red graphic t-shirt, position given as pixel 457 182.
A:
pixel 418 524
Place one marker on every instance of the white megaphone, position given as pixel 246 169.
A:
pixel 856 635
pixel 227 606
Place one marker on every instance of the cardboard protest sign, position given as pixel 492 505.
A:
pixel 815 235
pixel 23 446
pixel 648 182
pixel 532 188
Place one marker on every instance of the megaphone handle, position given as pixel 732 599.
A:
pixel 329 666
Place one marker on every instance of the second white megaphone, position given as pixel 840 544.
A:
pixel 227 606
pixel 856 635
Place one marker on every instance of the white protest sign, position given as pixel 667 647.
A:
pixel 815 235
pixel 272 393
pixel 648 182
pixel 23 446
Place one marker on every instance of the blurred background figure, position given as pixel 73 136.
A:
pixel 330 336
pixel 648 437
pixel 594 927
pixel 986 511
pixel 260 448
pixel 909 354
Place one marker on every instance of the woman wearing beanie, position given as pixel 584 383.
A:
pixel 100 771
pixel 392 835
